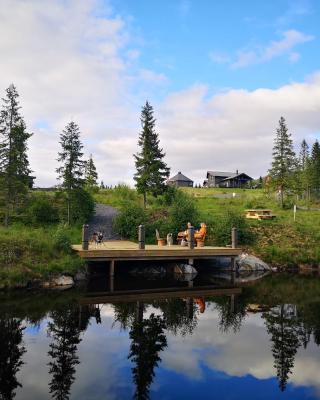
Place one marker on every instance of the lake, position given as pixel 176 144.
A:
pixel 161 337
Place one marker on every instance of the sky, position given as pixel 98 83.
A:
pixel 219 75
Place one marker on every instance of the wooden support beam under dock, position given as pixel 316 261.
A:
pixel 126 250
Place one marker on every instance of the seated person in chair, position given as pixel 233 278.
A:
pixel 183 234
pixel 201 233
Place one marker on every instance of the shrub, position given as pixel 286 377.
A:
pixel 82 206
pixel 128 220
pixel 42 211
pixel 182 211
pixel 61 239
pixel 221 229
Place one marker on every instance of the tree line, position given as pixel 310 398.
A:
pixel 291 173
pixel 76 175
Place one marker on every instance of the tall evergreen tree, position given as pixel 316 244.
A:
pixel 152 171
pixel 304 168
pixel 14 163
pixel 304 154
pixel 91 175
pixel 315 167
pixel 284 162
pixel 72 168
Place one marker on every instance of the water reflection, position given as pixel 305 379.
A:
pixel 11 352
pixel 186 341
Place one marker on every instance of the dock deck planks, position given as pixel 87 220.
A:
pixel 126 250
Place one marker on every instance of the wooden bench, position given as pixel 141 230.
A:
pixel 259 214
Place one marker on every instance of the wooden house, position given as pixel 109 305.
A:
pixel 227 179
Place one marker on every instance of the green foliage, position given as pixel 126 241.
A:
pixel 81 206
pixel 90 174
pixel 41 210
pixel 70 173
pixel 182 211
pixel 14 163
pixel 221 229
pixel 62 240
pixel 29 253
pixel 128 220
pixel 284 162
pixel 152 171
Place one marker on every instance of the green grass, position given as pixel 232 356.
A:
pixel 280 241
pixel 30 253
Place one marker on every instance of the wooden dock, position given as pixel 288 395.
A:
pixel 121 250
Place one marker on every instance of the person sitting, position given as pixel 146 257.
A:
pixel 201 233
pixel 183 234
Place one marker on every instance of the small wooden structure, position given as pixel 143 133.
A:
pixel 259 214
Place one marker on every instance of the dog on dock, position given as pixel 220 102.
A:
pixel 169 239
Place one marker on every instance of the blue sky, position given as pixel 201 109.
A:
pixel 199 41
pixel 219 75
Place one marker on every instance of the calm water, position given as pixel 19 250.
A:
pixel 246 342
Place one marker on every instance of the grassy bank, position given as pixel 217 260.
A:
pixel 281 241
pixel 30 253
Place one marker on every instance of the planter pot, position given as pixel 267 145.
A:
pixel 200 243
pixel 161 242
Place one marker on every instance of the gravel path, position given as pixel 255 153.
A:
pixel 103 221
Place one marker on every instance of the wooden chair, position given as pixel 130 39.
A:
pixel 161 241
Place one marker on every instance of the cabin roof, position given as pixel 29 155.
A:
pixel 221 173
pixel 179 177
pixel 237 176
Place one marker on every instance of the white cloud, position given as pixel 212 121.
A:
pixel 290 40
pixel 294 57
pixel 219 58
pixel 73 59
pixel 234 130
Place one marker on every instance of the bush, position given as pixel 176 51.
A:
pixel 81 209
pixel 182 211
pixel 41 211
pixel 61 240
pixel 128 220
pixel 221 229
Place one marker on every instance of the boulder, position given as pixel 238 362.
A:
pixel 184 269
pixel 62 280
pixel 80 276
pixel 248 262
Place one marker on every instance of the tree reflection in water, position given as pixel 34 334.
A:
pixel 11 352
pixel 147 341
pixel 64 329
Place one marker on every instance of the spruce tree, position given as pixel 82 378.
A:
pixel 304 168
pixel 315 167
pixel 284 161
pixel 71 171
pixel 14 163
pixel 152 172
pixel 91 175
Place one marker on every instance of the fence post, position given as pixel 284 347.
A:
pixel 85 237
pixel 234 238
pixel 191 237
pixel 141 237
